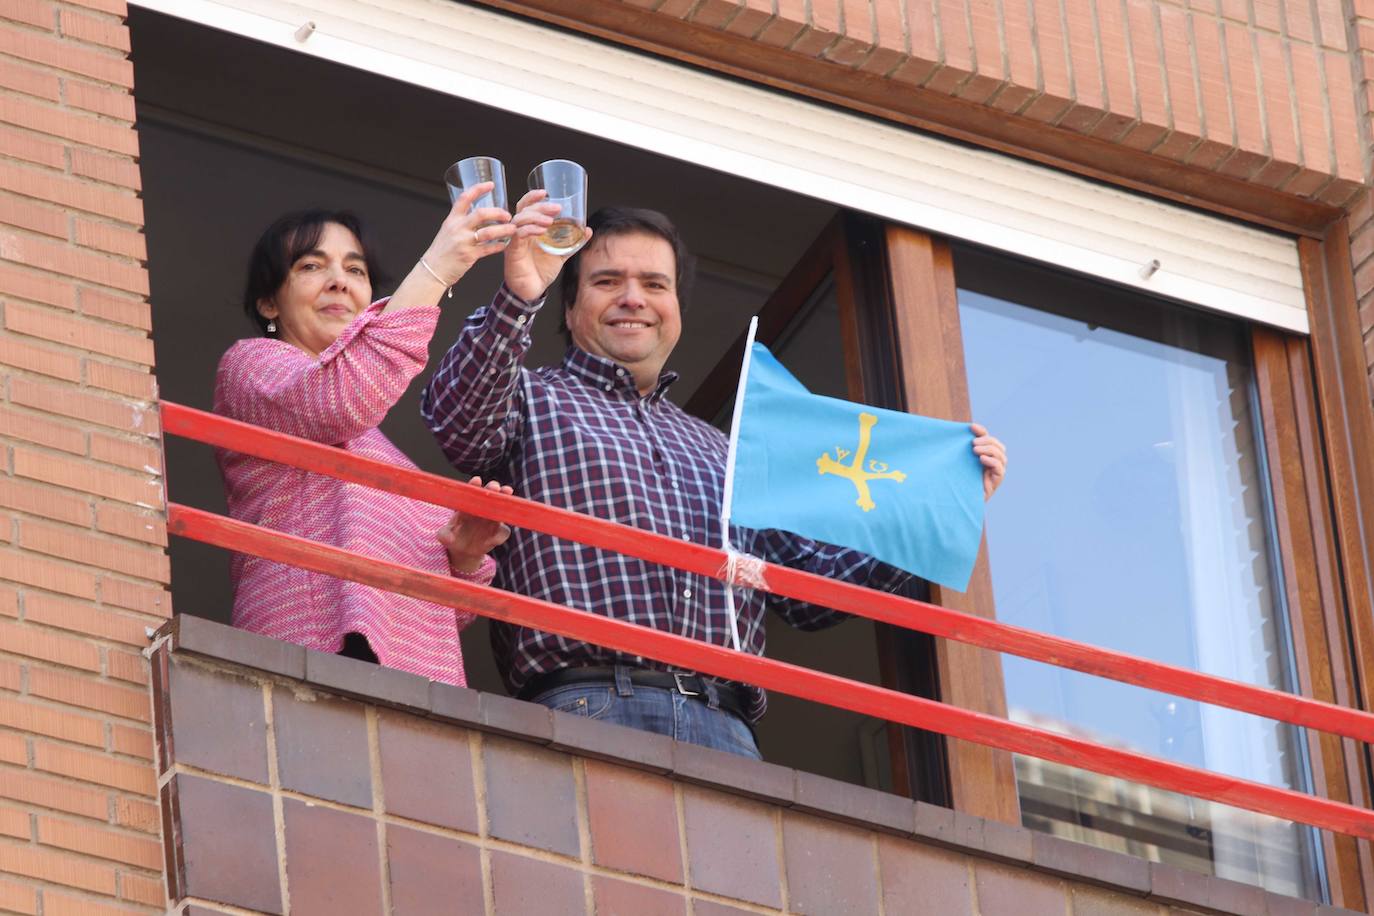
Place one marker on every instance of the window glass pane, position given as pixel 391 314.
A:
pixel 1136 516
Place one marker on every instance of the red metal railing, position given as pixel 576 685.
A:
pixel 768 673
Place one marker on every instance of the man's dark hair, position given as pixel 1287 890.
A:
pixel 609 222
pixel 286 241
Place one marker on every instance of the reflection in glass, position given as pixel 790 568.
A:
pixel 1135 517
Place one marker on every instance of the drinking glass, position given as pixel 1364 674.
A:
pixel 566 182
pixel 475 170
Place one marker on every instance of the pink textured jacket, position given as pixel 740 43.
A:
pixel 338 399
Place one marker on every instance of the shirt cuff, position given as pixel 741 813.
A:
pixel 512 316
pixel 482 575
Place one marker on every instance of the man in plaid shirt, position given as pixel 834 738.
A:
pixel 597 435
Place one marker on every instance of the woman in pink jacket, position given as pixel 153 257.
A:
pixel 330 364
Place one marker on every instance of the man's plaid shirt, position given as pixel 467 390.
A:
pixel 579 436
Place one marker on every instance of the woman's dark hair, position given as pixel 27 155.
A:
pixel 286 241
pixel 607 223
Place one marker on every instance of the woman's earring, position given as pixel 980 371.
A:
pixel 271 327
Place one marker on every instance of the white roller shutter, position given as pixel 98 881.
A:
pixel 946 188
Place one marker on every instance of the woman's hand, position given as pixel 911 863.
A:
pixel 993 455
pixel 467 235
pixel 468 538
pixel 529 268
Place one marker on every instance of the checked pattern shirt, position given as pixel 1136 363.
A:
pixel 580 436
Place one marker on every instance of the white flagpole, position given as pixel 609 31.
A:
pixel 729 496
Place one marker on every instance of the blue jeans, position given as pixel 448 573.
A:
pixel 653 709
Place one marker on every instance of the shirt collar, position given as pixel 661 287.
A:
pixel 609 375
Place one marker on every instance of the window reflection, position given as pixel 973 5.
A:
pixel 1136 517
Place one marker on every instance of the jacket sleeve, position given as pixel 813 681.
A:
pixel 343 393
pixel 827 560
pixel 474 401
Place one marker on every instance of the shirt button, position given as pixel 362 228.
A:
pixel 686 593
pixel 674 484
pixel 686 536
pixel 520 320
pixel 620 373
pixel 608 386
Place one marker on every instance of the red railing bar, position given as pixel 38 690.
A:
pixel 909 613
pixel 770 674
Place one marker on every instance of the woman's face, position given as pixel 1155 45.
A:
pixel 323 291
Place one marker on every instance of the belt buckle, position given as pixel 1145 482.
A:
pixel 685 691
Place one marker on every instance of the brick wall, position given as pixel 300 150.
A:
pixel 82 565
pixel 1275 94
pixel 313 784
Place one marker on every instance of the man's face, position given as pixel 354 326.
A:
pixel 626 307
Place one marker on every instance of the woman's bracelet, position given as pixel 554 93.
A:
pixel 447 286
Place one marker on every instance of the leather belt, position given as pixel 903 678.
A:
pixel 731 699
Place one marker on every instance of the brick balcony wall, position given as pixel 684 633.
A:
pixel 82 562
pixel 298 781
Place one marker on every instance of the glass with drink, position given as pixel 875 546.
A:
pixel 566 182
pixel 475 170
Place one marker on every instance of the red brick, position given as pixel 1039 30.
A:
pixel 1244 91
pixel 67 123
pixel 30 80
pixel 24 284
pixel 56 794
pixel 116 170
pixel 100 842
pixel 111 238
pixel 63 55
pixel 36 217
pixel 94 550
pixel 55 867
pixel 82 475
pixel 15 822
pixel 1275 95
pixel 139 889
pixel 86 265
pixel 138 815
pixel 1344 119
pixel 71 192
pixel 84 618
pixel 45 360
pixel 126 523
pixel 113 7
pixel 136 596
pixel 1145 53
pixel 95 767
pixel 18 898
pixel 23 714
pixel 132 742
pixel 81 405
pixel 45 501
pixel 753 15
pixel 137 456
pixel 43 644
pixel 1331 20
pixel 1052 43
pixel 90 693
pixel 1312 111
pixel 27 569
pixel 1299 20
pixel 9 602
pixel 617 796
pixel 119 309
pixel 112 103
pixel 127 666
pixel 1116 57
pixel 133 383
pixel 55 904
pixel 95 30
pixel 32 428
pixel 31 148
pixel 713 14
pixel 34 12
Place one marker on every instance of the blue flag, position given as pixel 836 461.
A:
pixel 905 489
